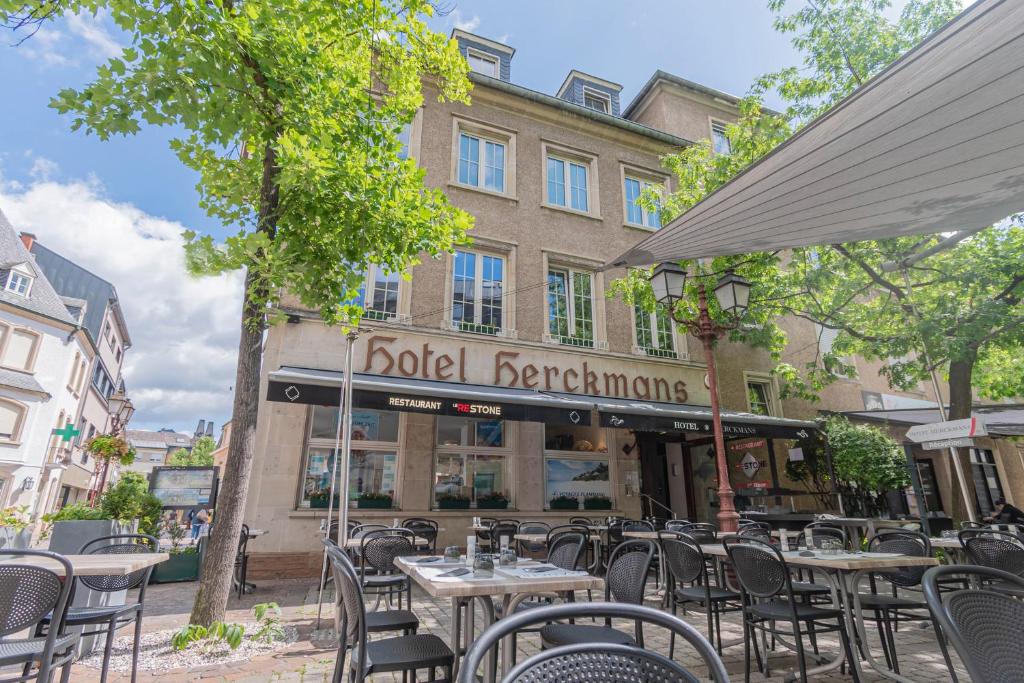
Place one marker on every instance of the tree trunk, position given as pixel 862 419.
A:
pixel 218 565
pixel 961 399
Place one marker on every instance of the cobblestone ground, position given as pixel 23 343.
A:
pixel 311 657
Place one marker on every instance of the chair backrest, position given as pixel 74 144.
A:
pixel 243 540
pixel 996 549
pixel 422 524
pixel 759 566
pixel 658 522
pixel 638 525
pixel 904 542
pixel 28 592
pixel 818 536
pixel 485 533
pixel 557 531
pixel 585 521
pixel 755 531
pixel 676 524
pixel 985 625
pixel 615 530
pixel 533 528
pixel 702 532
pixel 120 544
pixel 595 662
pixel 380 547
pixel 566 550
pixel 628 567
pixel 504 529
pixel 754 524
pixel 350 617
pixel 685 560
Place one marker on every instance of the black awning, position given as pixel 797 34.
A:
pixel 412 395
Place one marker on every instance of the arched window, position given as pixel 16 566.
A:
pixel 12 417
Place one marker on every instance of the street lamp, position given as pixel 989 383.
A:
pixel 733 295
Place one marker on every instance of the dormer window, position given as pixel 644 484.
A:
pixel 18 283
pixel 598 101
pixel 483 63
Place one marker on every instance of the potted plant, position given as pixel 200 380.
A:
pixel 453 501
pixel 564 503
pixel 371 499
pixel 15 533
pixel 492 501
pixel 127 506
pixel 184 562
pixel 321 499
pixel 597 502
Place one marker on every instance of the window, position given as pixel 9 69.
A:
pixel 374 464
pixel 571 307
pixel 73 381
pixel 19 283
pixel 929 486
pixel 101 380
pixel 655 333
pixel 379 294
pixel 761 395
pixel 719 138
pixel 405 137
pixel 12 415
pixel 635 213
pixel 986 480
pixel 486 171
pixel 19 350
pixel 596 100
pixel 567 184
pixel 471 460
pixel 483 63
pixel 477 290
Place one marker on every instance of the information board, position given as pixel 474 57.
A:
pixel 183 488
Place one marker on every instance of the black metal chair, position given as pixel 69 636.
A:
pixel 378 550
pixel 816 536
pixel 676 524
pixel 625 582
pixel 585 521
pixel 503 529
pixel 637 525
pixel 30 594
pixel 529 547
pixel 483 536
pixel 755 531
pixel 768 598
pixel 702 532
pixel 241 562
pixel 407 653
pixel 689 582
pixel 109 618
pixel 985 625
pixel 379 621
pixel 1001 550
pixel 426 529
pixel 595 661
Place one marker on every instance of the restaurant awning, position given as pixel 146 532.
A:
pixel 1000 419
pixel 934 143
pixel 409 394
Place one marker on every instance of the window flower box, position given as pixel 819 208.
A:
pixel 494 501
pixel 597 503
pixel 564 503
pixel 452 502
pixel 374 501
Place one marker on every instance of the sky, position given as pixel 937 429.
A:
pixel 118 207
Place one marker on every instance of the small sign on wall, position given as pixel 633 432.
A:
pixel 796 454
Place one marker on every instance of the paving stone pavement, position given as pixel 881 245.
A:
pixel 311 657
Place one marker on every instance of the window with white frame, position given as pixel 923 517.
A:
pixel 19 283
pixel 720 138
pixel 19 348
pixel 12 416
pixel 571 306
pixel 655 332
pixel 481 162
pixel 478 285
pixel 636 214
pixel 568 183
pixel 471 462
pixel 379 294
pixel 483 63
pixel 598 101
pixel 373 468
pixel 761 398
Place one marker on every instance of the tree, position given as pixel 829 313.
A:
pixel 199 456
pixel 867 462
pixel 942 303
pixel 290 111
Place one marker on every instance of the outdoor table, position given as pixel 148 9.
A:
pixel 95 565
pixel 844 573
pixel 503 583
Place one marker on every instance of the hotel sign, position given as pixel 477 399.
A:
pixel 658 423
pixel 432 405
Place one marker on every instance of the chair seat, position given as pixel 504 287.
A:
pixel 808 588
pixel 780 610
pixel 381 580
pixel 404 653
pixel 391 620
pixel 554 635
pixel 696 594
pixel 79 616
pixel 883 601
pixel 21 650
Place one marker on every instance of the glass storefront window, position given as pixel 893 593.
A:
pixel 367 425
pixel 463 431
pixel 576 477
pixel 577 438
pixel 471 462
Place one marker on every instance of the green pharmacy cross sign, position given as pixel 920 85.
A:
pixel 67 432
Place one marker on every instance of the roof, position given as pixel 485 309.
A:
pixel 72 280
pixel 20 381
pixel 576 73
pixel 144 438
pixel 42 298
pixel 493 44
pixel 586 112
pixel 660 75
pixel 930 144
pixel 1001 419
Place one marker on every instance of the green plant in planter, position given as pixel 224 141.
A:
pixel 372 499
pixel 130 499
pixel 597 503
pixel 111 447
pixel 492 501
pixel 565 503
pixel 16 518
pixel 453 501
pixel 321 498
pixel 218 632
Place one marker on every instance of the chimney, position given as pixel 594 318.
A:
pixel 209 429
pixel 28 239
pixel 201 429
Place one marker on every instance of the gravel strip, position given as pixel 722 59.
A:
pixel 156 653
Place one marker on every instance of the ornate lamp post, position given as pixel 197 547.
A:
pixel 733 294
pixel 120 409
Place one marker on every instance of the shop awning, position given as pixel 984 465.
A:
pixel 674 417
pixel 934 143
pixel 1000 420
pixel 311 386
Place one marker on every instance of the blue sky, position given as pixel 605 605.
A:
pixel 129 198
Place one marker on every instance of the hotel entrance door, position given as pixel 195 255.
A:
pixel 664 475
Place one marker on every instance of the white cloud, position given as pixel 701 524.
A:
pixel 90 28
pixel 44 48
pixel 470 24
pixel 43 169
pixel 184 331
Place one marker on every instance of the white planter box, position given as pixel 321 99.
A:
pixel 13 539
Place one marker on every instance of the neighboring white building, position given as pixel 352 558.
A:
pixel 152 449
pixel 45 360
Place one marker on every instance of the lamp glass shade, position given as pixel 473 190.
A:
pixel 668 281
pixel 126 412
pixel 116 403
pixel 733 294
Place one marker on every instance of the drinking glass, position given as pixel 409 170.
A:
pixel 452 552
pixel 508 558
pixel 483 565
